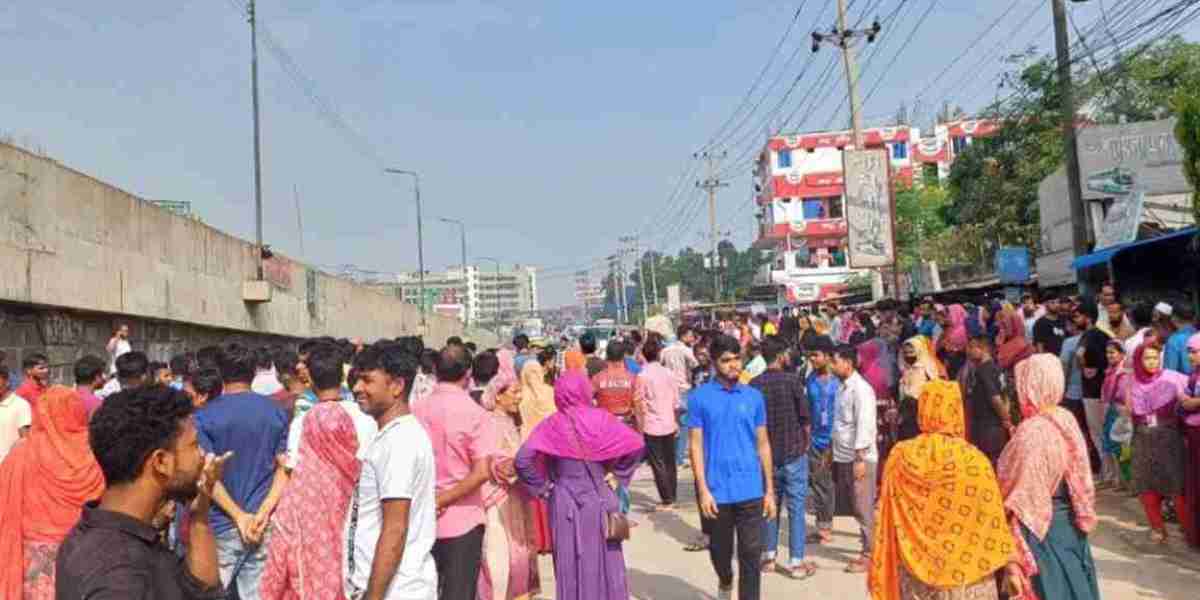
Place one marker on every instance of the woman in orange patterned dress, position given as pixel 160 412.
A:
pixel 940 529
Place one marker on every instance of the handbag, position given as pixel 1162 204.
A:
pixel 616 524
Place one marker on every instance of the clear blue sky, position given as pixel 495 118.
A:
pixel 552 128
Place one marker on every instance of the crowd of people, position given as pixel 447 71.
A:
pixel 966 441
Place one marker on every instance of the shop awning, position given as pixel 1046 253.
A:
pixel 1100 257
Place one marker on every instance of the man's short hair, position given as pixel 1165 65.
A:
pixel 262 358
pixel 285 362
pixel 587 343
pixel 325 367
pixel 721 344
pixel 683 330
pixel 772 347
pixel 155 366
pixel 652 348
pixel 4 374
pixel 33 360
pixel 1184 312
pixel 615 351
pixel 391 358
pixel 453 363
pixel 821 343
pixel 484 367
pixel 132 364
pixel 1142 314
pixel 454 340
pixel 181 365
pixel 131 424
pixel 208 383
pixel 209 357
pixel 238 363
pixel 88 368
pixel 1087 307
pixel 520 341
pixel 848 353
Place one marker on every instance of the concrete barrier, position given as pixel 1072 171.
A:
pixel 77 250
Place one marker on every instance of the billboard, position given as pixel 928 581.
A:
pixel 869 208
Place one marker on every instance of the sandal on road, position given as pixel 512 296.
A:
pixel 697 546
pixel 800 572
pixel 857 565
pixel 768 566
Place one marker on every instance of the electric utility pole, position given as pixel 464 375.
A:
pixel 632 247
pixel 711 184
pixel 258 212
pixel 843 37
pixel 1079 239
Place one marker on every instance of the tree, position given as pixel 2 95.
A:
pixel 920 218
pixel 1186 105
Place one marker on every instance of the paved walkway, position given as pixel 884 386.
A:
pixel 1130 567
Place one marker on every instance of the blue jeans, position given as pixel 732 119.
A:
pixel 791 482
pixel 681 442
pixel 229 553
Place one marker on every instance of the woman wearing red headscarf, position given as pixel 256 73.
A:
pixel 306 554
pixel 44 483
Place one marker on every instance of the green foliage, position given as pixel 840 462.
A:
pixel 696 281
pixel 1186 106
pixel 1142 85
pixel 920 218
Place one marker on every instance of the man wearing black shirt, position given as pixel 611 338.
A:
pixel 1050 330
pixel 991 418
pixel 147 447
pixel 1090 357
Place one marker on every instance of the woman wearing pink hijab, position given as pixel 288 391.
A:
pixel 952 345
pixel 565 460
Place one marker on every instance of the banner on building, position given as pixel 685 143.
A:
pixel 869 208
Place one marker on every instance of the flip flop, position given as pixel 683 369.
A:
pixel 856 566
pixel 799 572
pixel 696 547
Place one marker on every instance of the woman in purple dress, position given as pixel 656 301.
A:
pixel 566 460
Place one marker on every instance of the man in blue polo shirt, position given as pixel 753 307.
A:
pixel 823 387
pixel 731 461
pixel 254 428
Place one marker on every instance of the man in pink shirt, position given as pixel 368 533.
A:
pixel 656 399
pixel 464 441
pixel 89 377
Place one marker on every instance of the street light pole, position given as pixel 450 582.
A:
pixel 420 240
pixel 258 211
pixel 463 230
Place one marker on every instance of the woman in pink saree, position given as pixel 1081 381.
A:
pixel 509 566
pixel 306 553
pixel 1049 496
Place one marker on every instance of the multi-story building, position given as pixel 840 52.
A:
pixel 589 290
pixel 800 189
pixel 484 295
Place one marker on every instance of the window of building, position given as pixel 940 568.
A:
pixel 838 257
pixel 835 207
pixel 814 208
pixel 785 159
pixel 959 143
pixel 900 150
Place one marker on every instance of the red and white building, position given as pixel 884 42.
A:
pixel 800 193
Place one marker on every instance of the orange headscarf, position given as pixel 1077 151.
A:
pixel 575 360
pixel 941 515
pixel 44 482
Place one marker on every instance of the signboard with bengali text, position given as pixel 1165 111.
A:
pixel 869 208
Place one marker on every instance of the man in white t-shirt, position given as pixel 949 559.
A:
pixel 325 371
pixel 118 344
pixel 15 416
pixel 392 524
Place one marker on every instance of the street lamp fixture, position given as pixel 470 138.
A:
pixel 420 240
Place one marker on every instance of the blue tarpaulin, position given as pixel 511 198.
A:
pixel 1100 257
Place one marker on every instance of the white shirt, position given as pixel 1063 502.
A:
pixel 121 347
pixel 1131 344
pixel 399 465
pixel 111 387
pixel 680 360
pixel 14 414
pixel 265 383
pixel 854 425
pixel 364 426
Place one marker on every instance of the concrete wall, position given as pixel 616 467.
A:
pixel 92 254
